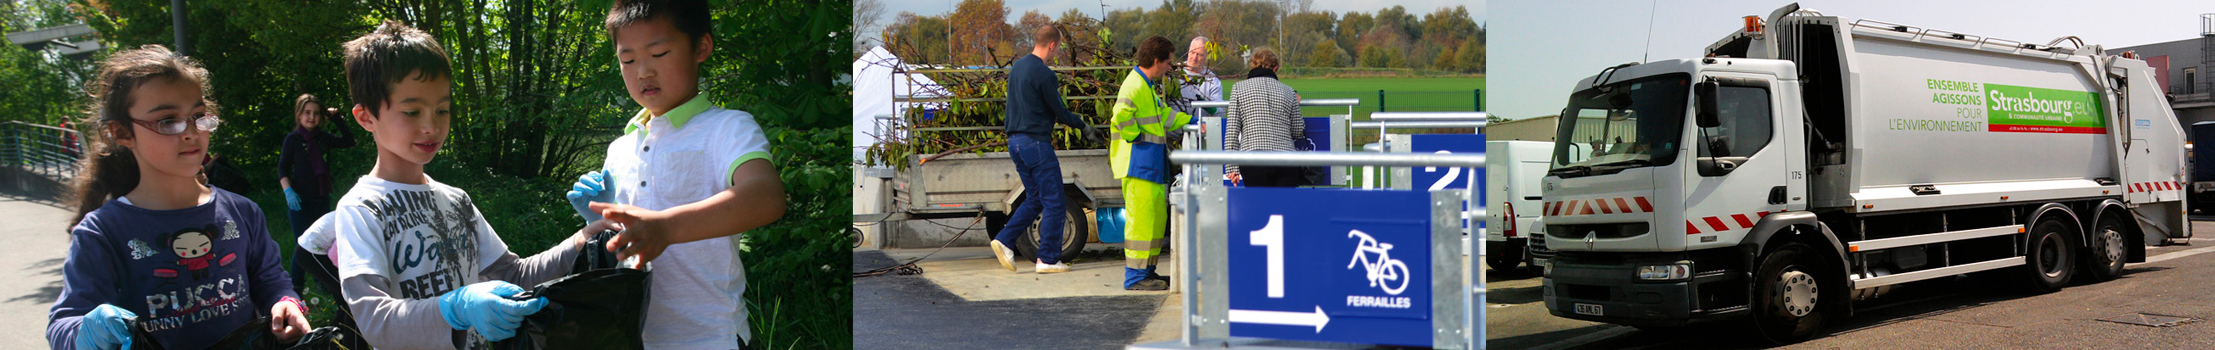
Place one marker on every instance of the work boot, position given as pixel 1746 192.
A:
pixel 1045 268
pixel 1006 256
pixel 1148 285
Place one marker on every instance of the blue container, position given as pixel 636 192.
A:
pixel 1111 224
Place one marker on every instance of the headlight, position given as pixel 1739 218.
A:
pixel 1677 271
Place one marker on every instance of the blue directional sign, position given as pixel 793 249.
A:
pixel 1336 265
pixel 1437 178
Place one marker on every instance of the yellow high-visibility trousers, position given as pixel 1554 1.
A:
pixel 1147 205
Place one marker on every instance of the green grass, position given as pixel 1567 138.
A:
pixel 1415 94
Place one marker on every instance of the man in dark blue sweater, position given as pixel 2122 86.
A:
pixel 1034 105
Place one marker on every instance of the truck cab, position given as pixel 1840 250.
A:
pixel 1638 170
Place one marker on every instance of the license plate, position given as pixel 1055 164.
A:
pixel 1588 309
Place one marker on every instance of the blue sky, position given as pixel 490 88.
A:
pixel 1539 49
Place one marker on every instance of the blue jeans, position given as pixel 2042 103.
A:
pixel 1041 172
pixel 311 209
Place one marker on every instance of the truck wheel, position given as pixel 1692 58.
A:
pixel 2050 264
pixel 2105 253
pixel 1072 235
pixel 1503 256
pixel 1793 294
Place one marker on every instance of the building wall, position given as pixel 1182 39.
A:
pixel 2181 54
pixel 1526 129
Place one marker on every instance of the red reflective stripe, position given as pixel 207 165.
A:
pixel 1742 221
pixel 1569 207
pixel 1587 210
pixel 1620 203
pixel 1546 208
pixel 1761 214
pixel 1689 229
pixel 1644 206
pixel 1717 223
pixel 2133 188
pixel 1603 206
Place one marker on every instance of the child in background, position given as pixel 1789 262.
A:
pixel 418 264
pixel 689 175
pixel 150 242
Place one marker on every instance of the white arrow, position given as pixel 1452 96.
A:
pixel 1283 318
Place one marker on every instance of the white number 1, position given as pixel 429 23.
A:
pixel 1272 237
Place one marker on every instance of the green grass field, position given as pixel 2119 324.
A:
pixel 1400 95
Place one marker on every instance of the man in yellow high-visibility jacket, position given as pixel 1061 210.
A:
pixel 1140 158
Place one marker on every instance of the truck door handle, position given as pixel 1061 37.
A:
pixel 1776 195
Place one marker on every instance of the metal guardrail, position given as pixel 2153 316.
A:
pixel 44 150
pixel 1304 159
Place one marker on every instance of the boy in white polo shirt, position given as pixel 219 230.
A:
pixel 684 177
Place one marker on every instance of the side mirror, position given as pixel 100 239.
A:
pixel 1704 95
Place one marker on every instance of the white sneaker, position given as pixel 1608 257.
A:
pixel 1055 268
pixel 1006 256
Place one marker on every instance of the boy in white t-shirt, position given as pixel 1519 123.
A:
pixel 688 176
pixel 420 267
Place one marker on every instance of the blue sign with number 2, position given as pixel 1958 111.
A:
pixel 1335 265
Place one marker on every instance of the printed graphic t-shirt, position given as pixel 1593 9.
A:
pixel 192 275
pixel 425 240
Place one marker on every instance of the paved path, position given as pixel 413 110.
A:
pixel 965 300
pixel 30 269
pixel 1975 312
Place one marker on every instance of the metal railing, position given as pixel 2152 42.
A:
pixel 41 150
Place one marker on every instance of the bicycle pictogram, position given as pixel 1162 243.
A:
pixel 1384 270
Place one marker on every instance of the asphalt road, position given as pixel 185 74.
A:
pixel 1978 311
pixel 38 240
pixel 911 312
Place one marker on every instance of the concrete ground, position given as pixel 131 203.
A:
pixel 965 300
pixel 1970 312
pixel 38 239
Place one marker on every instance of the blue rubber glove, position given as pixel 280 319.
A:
pixel 292 200
pixel 485 307
pixel 590 187
pixel 106 327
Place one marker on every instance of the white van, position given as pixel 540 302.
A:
pixel 1513 170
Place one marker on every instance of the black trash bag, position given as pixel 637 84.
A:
pixel 252 336
pixel 325 338
pixel 595 254
pixel 600 307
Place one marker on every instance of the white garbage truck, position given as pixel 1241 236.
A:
pixel 1810 161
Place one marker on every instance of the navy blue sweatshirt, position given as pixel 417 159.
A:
pixel 1034 99
pixel 193 274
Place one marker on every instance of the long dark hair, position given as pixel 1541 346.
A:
pixel 110 170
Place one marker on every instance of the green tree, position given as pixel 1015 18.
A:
pixel 42 88
pixel 1327 54
pixel 925 36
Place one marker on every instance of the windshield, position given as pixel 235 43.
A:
pixel 1621 125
